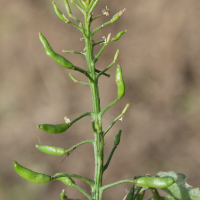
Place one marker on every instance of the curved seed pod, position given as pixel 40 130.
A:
pixel 118 35
pixel 59 14
pixel 31 175
pixel 56 57
pixel 54 129
pixel 63 196
pixel 154 182
pixel 66 180
pixel 56 151
pixel 117 138
pixel 120 82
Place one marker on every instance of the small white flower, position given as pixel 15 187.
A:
pixel 67 120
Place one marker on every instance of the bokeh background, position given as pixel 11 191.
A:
pixel 160 59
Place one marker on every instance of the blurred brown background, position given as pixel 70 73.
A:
pixel 160 59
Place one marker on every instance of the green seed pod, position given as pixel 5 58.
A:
pixel 66 180
pixel 56 57
pixel 56 151
pixel 31 175
pixel 63 196
pixel 118 35
pixel 59 14
pixel 154 182
pixel 117 138
pixel 54 129
pixel 117 16
pixel 120 82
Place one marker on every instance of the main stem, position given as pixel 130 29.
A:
pixel 99 138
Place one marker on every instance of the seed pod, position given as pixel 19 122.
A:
pixel 66 180
pixel 63 196
pixel 154 182
pixel 117 16
pixel 59 14
pixel 56 151
pixel 54 129
pixel 56 57
pixel 31 175
pixel 120 82
pixel 118 35
pixel 117 138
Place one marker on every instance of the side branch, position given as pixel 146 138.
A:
pixel 72 1
pixel 92 5
pixel 107 68
pixel 100 27
pixel 109 158
pixel 88 181
pixel 69 11
pixel 77 81
pixel 118 118
pixel 81 116
pixel 103 73
pixel 75 52
pixel 107 40
pixel 80 143
pixel 114 18
pixel 82 191
pixel 108 106
pixel 116 183
pixel 83 72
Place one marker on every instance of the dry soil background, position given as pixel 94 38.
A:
pixel 160 59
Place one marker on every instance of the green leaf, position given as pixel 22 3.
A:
pixel 180 190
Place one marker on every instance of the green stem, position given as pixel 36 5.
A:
pixel 103 73
pixel 71 51
pixel 81 4
pixel 107 68
pixel 108 106
pixel 102 49
pixel 81 116
pixel 102 26
pixel 136 192
pixel 119 117
pixel 77 6
pixel 77 81
pixel 80 143
pixel 88 181
pixel 116 183
pixel 92 5
pixel 83 72
pixel 99 139
pixel 109 158
pixel 98 42
pixel 155 193
pixel 69 11
pixel 97 17
pixel 82 191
